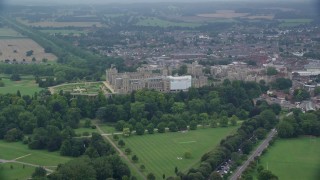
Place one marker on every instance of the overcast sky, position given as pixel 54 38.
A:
pixel 34 2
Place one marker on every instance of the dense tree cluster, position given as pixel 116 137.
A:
pixel 208 106
pixel 300 124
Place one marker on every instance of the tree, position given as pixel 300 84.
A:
pixel 13 135
pixel 215 176
pixel 282 84
pixel 119 125
pixel 247 147
pixel 266 175
pixel 223 121
pixel 150 128
pixel 300 94
pixel 285 129
pixel 271 71
pixel 161 127
pixel 151 176
pixel 173 127
pixel 29 53
pixel 115 137
pixel 15 77
pixel 121 143
pixel 142 167
pixel 128 151
pixel 39 172
pixel 80 169
pixel 135 158
pixel 193 125
pixel 260 133
pixel 234 120
pixel 178 107
pixel 139 129
pixel 183 70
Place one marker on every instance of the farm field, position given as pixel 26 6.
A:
pixel 27 85
pixel 6 33
pixel 223 14
pixel 61 24
pixel 10 151
pixel 147 21
pixel 300 156
pixel 161 153
pixel 88 88
pixel 17 49
pixel 293 22
pixel 63 31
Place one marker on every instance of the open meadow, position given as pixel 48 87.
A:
pixel 21 153
pixel 27 85
pixel 161 153
pixel 294 159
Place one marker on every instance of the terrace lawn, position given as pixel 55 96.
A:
pixel 160 152
pixel 147 21
pixel 294 159
pixel 26 86
pixel 82 88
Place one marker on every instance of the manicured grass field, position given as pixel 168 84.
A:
pixel 10 151
pixel 161 153
pixel 293 22
pixel 147 21
pixel 27 85
pixel 17 172
pixel 294 159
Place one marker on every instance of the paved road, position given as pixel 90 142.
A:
pixel 257 152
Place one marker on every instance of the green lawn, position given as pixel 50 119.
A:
pixel 16 172
pixel 10 151
pixel 294 159
pixel 27 85
pixel 160 152
pixel 150 21
pixel 293 22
